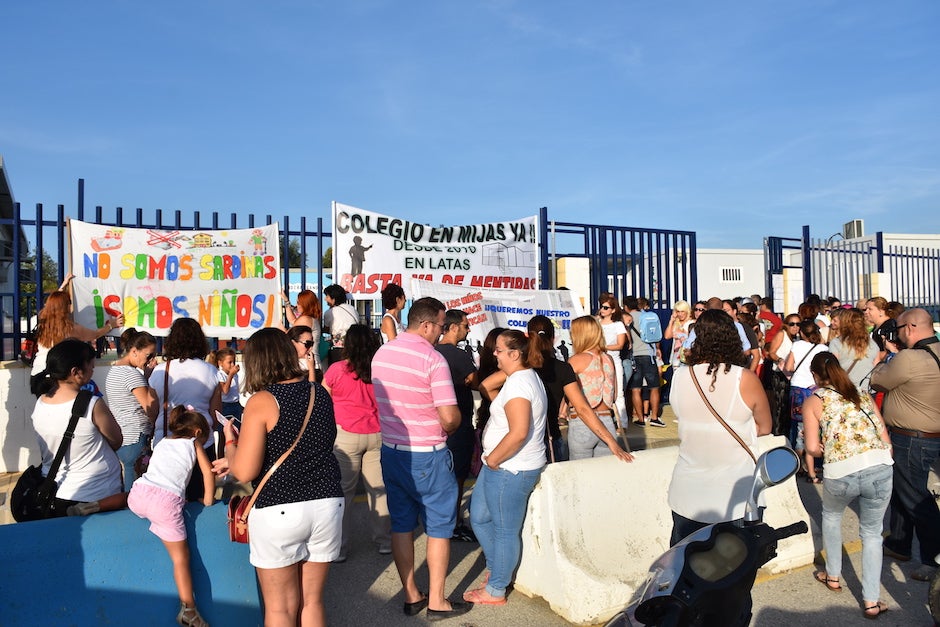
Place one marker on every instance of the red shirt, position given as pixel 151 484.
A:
pixel 775 324
pixel 354 404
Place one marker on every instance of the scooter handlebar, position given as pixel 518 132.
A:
pixel 791 530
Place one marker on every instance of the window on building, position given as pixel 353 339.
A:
pixel 730 275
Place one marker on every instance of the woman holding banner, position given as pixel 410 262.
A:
pixel 56 323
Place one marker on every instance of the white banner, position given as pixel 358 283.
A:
pixel 487 309
pixel 229 281
pixel 371 250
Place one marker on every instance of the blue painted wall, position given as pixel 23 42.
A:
pixel 109 569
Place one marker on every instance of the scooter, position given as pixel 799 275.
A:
pixel 933 595
pixel 706 579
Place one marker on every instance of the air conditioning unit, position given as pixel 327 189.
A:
pixel 853 229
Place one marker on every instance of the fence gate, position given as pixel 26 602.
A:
pixel 856 269
pixel 657 264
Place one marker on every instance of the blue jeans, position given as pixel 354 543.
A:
pixel 497 511
pixel 583 444
pixel 913 508
pixel 872 486
pixel 128 455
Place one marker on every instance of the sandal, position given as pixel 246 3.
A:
pixel 481 597
pixel 874 611
pixel 190 617
pixel 832 583
pixel 813 479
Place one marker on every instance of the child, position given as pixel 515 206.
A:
pixel 159 497
pixel 224 358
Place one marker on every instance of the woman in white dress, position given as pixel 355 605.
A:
pixel 610 315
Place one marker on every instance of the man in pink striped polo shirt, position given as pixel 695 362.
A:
pixel 417 409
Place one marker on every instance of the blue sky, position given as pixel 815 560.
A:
pixel 736 120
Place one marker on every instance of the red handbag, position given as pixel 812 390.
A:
pixel 238 519
pixel 239 506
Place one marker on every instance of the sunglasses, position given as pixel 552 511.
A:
pixel 699 309
pixel 793 324
pixel 151 356
pixel 606 307
pixel 306 343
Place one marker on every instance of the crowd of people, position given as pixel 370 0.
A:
pixel 854 389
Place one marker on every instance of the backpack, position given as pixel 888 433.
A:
pixel 650 330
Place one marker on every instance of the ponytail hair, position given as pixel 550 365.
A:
pixel 61 360
pixel 217 356
pixel 132 338
pixel 528 348
pixel 185 422
pixel 541 334
pixel 829 372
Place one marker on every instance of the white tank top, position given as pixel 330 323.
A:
pixel 171 465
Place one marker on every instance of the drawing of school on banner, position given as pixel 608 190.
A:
pixel 227 280
pixel 371 250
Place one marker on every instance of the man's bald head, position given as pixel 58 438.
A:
pixel 714 303
pixel 919 325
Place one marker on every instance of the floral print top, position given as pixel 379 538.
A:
pixel 847 431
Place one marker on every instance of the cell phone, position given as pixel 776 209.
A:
pixel 224 420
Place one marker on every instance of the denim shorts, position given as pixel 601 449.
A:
pixel 420 486
pixel 645 373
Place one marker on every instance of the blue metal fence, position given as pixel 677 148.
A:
pixel 847 268
pixel 657 264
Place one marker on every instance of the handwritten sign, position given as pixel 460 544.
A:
pixel 372 250
pixel 229 280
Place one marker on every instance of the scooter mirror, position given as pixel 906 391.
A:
pixel 778 465
pixel 773 467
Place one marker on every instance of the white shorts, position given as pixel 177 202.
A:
pixel 282 535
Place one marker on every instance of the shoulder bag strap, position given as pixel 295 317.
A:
pixel 931 353
pixel 720 419
pixel 79 407
pixel 166 395
pixel 852 366
pixel 808 353
pixel 280 460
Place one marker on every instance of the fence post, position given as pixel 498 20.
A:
pixel 807 262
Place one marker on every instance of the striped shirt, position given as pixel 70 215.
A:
pixel 119 388
pixel 411 380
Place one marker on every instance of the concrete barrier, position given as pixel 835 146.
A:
pixel 593 528
pixel 108 569
pixel 18 448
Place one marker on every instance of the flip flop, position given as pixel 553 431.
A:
pixel 813 479
pixel 831 583
pixel 878 608
pixel 481 597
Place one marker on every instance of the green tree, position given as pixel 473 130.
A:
pixel 50 281
pixel 328 258
pixel 294 259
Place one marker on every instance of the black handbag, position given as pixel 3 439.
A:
pixel 33 496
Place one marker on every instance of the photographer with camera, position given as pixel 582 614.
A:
pixel 910 376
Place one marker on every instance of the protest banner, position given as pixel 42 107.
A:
pixel 371 250
pixel 487 309
pixel 227 280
